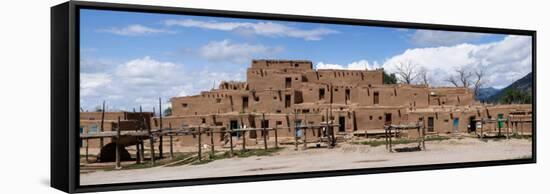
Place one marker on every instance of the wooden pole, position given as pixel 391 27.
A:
pixel 276 141
pixel 141 142
pixel 390 128
pixel 386 137
pixel 508 128
pixel 151 142
pixel 481 126
pixel 200 144
pixel 212 142
pixel 160 129
pixel 295 130
pixel 264 132
pixel 117 143
pixel 87 144
pixel 230 142
pixel 243 135
pixel 171 141
pixel 102 121
pixel 305 131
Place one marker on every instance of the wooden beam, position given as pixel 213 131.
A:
pixel 151 142
pixel 200 145
pixel 264 132
pixel 161 142
pixel 230 140
pixel 212 142
pixel 171 142
pixel 117 143
pixel 102 121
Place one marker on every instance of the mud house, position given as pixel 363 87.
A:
pixel 291 91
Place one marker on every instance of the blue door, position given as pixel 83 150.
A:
pixel 455 125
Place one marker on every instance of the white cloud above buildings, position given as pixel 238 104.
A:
pixel 135 30
pixel 503 61
pixel 431 38
pixel 226 50
pixel 268 29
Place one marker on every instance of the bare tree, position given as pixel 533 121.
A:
pixel 423 75
pixel 479 75
pixel 464 76
pixel 406 72
pixel 451 79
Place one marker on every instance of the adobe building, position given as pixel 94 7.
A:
pixel 289 91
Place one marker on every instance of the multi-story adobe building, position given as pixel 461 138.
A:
pixel 287 92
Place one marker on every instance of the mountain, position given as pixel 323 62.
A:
pixel 521 88
pixel 484 93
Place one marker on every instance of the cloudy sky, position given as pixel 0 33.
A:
pixel 132 59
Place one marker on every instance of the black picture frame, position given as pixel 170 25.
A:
pixel 65 92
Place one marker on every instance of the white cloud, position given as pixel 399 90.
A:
pixel 443 38
pixel 91 82
pixel 135 30
pixel 143 80
pixel 269 29
pixel 357 65
pixel 239 53
pixel 504 61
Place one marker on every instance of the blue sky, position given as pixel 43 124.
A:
pixel 131 59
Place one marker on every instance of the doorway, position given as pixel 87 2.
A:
pixel 472 124
pixel 455 125
pixel 342 122
pixel 234 124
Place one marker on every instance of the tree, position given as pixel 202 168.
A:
pixel 168 111
pixel 423 75
pixel 479 74
pixel 389 78
pixel 462 77
pixel 515 96
pixel 406 72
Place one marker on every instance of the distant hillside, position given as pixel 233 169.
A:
pixel 519 91
pixel 484 93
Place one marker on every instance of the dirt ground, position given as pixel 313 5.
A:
pixel 345 156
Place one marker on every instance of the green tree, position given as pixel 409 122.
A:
pixel 514 96
pixel 168 111
pixel 390 78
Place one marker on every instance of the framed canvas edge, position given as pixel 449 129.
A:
pixel 73 92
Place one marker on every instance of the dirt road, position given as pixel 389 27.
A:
pixel 346 156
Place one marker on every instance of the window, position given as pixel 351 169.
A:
pixel 288 82
pixel 376 96
pixel 370 117
pixel 287 101
pixel 218 100
pixel 184 105
pixel 278 123
pixel 430 124
pixel 321 93
pixel 245 102
pixel 348 94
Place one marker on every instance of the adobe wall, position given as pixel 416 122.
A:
pixel 451 96
pixel 346 77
